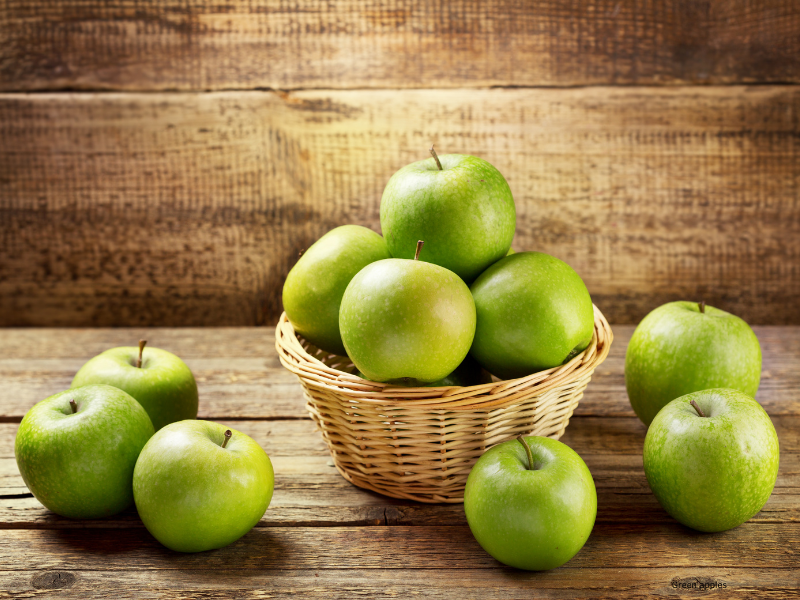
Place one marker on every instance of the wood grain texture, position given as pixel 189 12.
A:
pixel 610 545
pixel 212 45
pixel 189 209
pixel 310 492
pixel 240 377
pixel 322 537
pixel 388 583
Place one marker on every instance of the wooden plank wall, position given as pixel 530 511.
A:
pixel 163 163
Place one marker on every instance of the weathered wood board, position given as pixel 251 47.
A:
pixel 212 45
pixel 189 209
pixel 322 537
pixel 240 377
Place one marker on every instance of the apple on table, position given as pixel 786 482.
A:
pixel 711 458
pixel 160 381
pixel 199 485
pixel 531 503
pixel 76 450
pixel 684 347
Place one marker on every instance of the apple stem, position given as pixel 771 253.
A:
pixel 228 435
pixel 702 306
pixel 73 406
pixel 436 158
pixel 697 408
pixel 419 249
pixel 521 440
pixel 142 344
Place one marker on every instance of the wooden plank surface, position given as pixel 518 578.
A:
pixel 212 45
pixel 189 209
pixel 323 537
pixel 388 583
pixel 310 492
pixel 240 377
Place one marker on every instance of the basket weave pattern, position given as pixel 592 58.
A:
pixel 420 443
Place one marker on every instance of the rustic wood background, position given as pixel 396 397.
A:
pixel 163 162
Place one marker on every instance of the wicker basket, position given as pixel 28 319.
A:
pixel 420 443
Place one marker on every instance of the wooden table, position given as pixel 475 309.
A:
pixel 322 537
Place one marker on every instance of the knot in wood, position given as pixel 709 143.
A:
pixel 53 580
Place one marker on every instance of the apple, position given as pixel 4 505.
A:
pixel 159 380
pixel 314 287
pixel 406 319
pixel 76 450
pixel 534 313
pixel 711 458
pixel 460 205
pixel 468 373
pixel 531 503
pixel 684 347
pixel 200 485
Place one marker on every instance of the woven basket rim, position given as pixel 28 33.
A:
pixel 498 394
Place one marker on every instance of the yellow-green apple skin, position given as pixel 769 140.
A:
pixel 465 213
pixel 163 385
pixel 194 495
pixel 715 472
pixel 677 349
pixel 534 519
pixel 314 287
pixel 534 313
pixel 80 465
pixel 407 319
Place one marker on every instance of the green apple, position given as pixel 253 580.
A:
pixel 711 458
pixel 76 450
pixel 464 211
pixel 531 505
pixel 679 348
pixel 159 380
pixel 534 313
pixel 406 319
pixel 199 485
pixel 314 287
pixel 468 373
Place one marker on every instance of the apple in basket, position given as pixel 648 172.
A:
pixel 460 205
pixel 468 373
pixel 314 287
pixel 533 313
pixel 404 320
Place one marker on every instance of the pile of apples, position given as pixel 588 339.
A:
pixel 440 300
pixel 441 296
pixel 126 432
pixel 710 454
